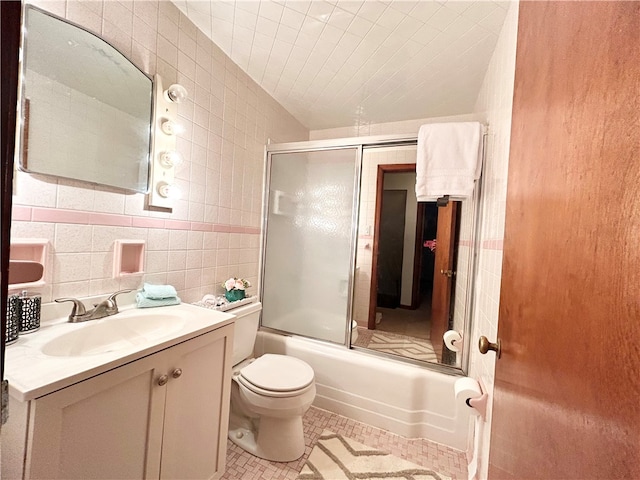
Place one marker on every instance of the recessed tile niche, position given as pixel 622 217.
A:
pixel 27 261
pixel 128 258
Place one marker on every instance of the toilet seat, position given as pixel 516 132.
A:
pixel 276 376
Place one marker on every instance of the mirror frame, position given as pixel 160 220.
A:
pixel 22 134
pixel 370 143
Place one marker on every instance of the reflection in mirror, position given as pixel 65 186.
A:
pixel 412 262
pixel 86 109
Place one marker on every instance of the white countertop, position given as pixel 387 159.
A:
pixel 32 374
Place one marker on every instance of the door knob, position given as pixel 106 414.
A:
pixel 162 381
pixel 484 345
pixel 176 373
pixel 448 273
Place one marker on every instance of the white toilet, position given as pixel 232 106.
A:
pixel 269 395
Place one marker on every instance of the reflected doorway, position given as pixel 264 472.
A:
pixel 412 317
pixel 402 317
pixel 391 247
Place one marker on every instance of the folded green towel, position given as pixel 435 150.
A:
pixel 143 301
pixel 158 292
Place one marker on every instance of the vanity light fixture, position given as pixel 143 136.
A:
pixel 170 159
pixel 176 93
pixel 169 191
pixel 164 157
pixel 168 127
pixel 163 189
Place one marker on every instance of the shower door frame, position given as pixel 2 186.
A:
pixel 360 143
pixel 307 147
pixel 357 143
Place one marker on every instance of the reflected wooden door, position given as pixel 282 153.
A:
pixel 567 388
pixel 443 275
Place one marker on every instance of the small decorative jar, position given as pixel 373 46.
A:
pixel 29 319
pixel 13 318
pixel 234 295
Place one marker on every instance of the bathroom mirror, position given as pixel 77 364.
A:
pixel 409 288
pixel 85 108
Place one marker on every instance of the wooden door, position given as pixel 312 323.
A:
pixel 443 275
pixel 567 388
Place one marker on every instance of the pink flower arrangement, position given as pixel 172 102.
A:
pixel 236 284
pixel 430 244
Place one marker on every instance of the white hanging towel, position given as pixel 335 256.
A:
pixel 449 160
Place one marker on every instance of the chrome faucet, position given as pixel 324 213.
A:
pixel 103 309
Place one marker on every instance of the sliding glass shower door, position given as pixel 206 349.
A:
pixel 309 242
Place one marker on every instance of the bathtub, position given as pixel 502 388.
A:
pixel 313 323
pixel 402 398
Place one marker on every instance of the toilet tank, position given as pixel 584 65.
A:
pixel 246 328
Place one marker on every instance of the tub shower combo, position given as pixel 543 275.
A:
pixel 316 263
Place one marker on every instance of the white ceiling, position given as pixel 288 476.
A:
pixel 336 63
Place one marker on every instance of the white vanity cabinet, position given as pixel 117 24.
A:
pixel 163 416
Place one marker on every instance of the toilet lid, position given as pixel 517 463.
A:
pixel 278 373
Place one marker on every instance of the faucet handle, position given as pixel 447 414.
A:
pixel 112 298
pixel 78 306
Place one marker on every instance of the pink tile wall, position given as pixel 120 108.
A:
pixel 213 231
pixel 494 104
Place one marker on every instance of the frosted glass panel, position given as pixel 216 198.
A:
pixel 308 243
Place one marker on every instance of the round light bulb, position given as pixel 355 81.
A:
pixel 170 159
pixel 176 93
pixel 167 190
pixel 168 127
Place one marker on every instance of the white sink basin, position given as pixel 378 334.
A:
pixel 113 333
pixel 61 354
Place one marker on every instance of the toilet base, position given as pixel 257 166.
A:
pixel 276 439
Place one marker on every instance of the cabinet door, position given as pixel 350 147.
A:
pixel 197 407
pixel 107 427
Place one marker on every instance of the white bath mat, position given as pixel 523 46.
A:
pixel 396 344
pixel 335 457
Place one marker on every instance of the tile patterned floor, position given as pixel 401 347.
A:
pixel 414 323
pixel 242 466
pixel 395 344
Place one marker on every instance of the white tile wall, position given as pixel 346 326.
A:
pixel 494 104
pixel 408 127
pixel 460 311
pixel 350 62
pixel 227 121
